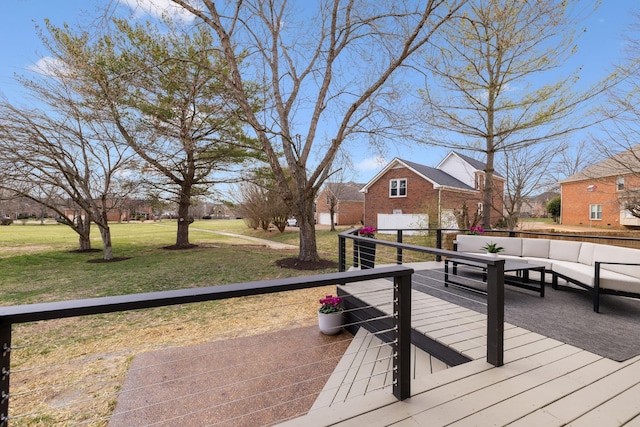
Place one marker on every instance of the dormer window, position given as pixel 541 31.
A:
pixel 398 187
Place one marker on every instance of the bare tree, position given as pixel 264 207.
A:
pixel 66 151
pixel 487 65
pixel 164 89
pixel 526 171
pixel 324 67
pixel 259 201
pixel 574 158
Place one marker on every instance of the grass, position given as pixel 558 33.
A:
pixel 70 370
pixel 543 220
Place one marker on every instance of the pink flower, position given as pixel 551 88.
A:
pixel 330 304
pixel 367 231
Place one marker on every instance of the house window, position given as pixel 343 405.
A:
pixel 478 181
pixel 620 183
pixel 480 208
pixel 398 188
pixel 595 211
pixel 327 200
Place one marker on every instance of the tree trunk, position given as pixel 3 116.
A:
pixel 84 242
pixel 84 234
pixel 487 202
pixel 105 233
pixel 182 238
pixel 332 215
pixel 306 223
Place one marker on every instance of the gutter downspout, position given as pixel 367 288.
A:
pixel 439 207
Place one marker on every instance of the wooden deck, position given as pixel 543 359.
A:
pixel 543 382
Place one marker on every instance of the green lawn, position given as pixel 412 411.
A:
pixel 38 263
pixel 71 369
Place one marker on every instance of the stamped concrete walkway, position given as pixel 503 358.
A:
pixel 244 382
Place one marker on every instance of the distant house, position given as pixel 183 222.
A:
pixel 347 200
pixel 597 195
pixel 409 195
pixel 119 210
pixel 536 206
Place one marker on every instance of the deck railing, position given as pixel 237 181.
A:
pixel 10 316
pixel 494 279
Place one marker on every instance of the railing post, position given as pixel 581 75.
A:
pixel 5 362
pixel 399 250
pixel 439 243
pixel 342 254
pixel 402 343
pixel 495 313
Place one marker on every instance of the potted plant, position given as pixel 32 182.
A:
pixel 330 315
pixel 367 250
pixel 476 230
pixel 492 249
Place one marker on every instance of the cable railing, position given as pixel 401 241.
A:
pixel 85 376
pixel 426 261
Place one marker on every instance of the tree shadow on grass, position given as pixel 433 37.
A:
pixel 296 264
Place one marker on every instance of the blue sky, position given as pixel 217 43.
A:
pixel 20 48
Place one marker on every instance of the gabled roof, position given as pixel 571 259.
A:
pixel 438 178
pixel 623 163
pixel 346 191
pixel 476 164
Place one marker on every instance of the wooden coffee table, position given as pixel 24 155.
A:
pixel 521 280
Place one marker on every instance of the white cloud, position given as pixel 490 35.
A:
pixel 370 164
pixel 159 8
pixel 48 66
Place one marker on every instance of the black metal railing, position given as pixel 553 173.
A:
pixel 442 237
pixel 13 315
pixel 494 278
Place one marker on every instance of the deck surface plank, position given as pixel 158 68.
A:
pixel 543 382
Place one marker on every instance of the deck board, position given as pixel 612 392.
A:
pixel 543 382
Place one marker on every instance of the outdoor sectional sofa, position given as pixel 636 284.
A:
pixel 599 268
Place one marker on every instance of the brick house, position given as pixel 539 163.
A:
pixel 596 196
pixel 409 195
pixel 348 203
pixel 119 210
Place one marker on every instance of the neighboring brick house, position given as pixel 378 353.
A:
pixel 409 195
pixel 348 203
pixel 124 210
pixel 597 195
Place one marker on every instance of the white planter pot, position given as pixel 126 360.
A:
pixel 331 323
pixel 492 254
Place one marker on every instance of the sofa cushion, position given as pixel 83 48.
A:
pixel 586 253
pixel 545 262
pixel 537 248
pixel 474 243
pixel 470 243
pixel 619 282
pixel 584 274
pixel 618 254
pixel 564 250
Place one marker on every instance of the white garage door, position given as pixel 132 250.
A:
pixel 402 222
pixel 324 218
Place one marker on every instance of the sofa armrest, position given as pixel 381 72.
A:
pixel 596 281
pixel 597 263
